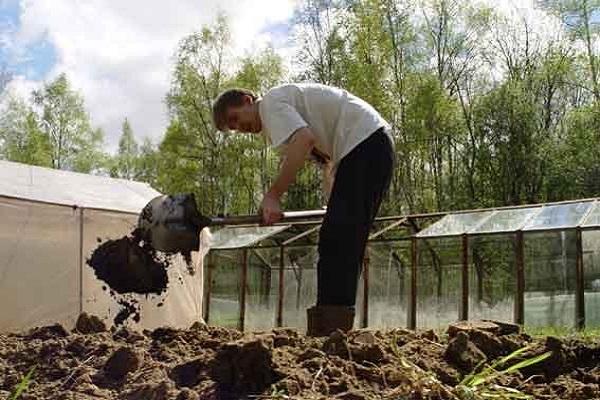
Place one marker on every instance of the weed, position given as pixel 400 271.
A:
pixel 22 386
pixel 480 386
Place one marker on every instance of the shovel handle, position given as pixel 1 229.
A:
pixel 257 219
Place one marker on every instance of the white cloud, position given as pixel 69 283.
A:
pixel 119 53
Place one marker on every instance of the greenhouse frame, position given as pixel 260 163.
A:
pixel 553 240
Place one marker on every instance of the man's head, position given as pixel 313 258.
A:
pixel 237 110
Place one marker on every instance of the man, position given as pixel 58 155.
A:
pixel 351 141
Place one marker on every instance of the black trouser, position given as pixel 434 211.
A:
pixel 362 178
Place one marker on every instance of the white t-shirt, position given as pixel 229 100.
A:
pixel 339 120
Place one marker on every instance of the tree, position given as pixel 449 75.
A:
pixel 5 78
pixel 510 167
pixel 88 155
pixel 574 171
pixel 64 121
pixel 148 159
pixel 221 169
pixel 191 146
pixel 21 138
pixel 126 165
pixel 320 32
pixel 580 17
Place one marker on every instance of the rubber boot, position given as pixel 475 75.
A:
pixel 322 320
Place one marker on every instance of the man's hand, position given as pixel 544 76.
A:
pixel 270 209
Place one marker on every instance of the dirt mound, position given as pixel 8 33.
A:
pixel 216 363
pixel 89 324
pixel 245 366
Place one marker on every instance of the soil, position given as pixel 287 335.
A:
pixel 205 362
pixel 130 266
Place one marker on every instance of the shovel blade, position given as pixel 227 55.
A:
pixel 170 223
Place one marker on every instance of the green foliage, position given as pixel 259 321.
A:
pixel 227 172
pixel 575 167
pixel 22 386
pixel 54 131
pixel 483 111
pixel 5 78
pixel 479 385
pixel 509 160
pixel 20 136
pixel 126 163
pixel 580 18
pixel 64 121
pixel 147 163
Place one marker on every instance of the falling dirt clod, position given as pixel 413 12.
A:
pixel 129 266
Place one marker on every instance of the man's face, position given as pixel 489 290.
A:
pixel 243 118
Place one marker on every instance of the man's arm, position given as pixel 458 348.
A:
pixel 297 150
pixel 300 145
pixel 327 179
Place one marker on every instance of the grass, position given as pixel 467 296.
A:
pixel 480 385
pixel 588 334
pixel 224 321
pixel 22 386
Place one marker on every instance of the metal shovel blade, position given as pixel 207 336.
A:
pixel 171 223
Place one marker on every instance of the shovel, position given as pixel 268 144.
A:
pixel 172 223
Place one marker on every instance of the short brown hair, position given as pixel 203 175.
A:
pixel 229 98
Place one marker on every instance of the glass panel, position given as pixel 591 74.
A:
pixel 300 291
pixel 225 293
pixel 506 220
pixel 389 284
pixel 262 286
pixel 492 280
pixel 237 237
pixel 454 224
pixel 550 279
pixel 593 219
pixel 591 274
pixel 559 216
pixel 439 280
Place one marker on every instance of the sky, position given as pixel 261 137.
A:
pixel 119 53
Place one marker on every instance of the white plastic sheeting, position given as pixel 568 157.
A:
pixel 44 277
pixel 73 189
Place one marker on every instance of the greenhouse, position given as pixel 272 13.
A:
pixel 52 220
pixel 536 265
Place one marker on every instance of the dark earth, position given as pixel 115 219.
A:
pixel 129 267
pixel 205 362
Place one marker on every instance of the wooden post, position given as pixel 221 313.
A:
pixel 243 283
pixel 365 305
pixel 267 285
pixel 81 260
pixel 412 308
pixel 208 291
pixel 280 293
pixel 579 288
pixel 464 310
pixel 299 287
pixel 519 311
